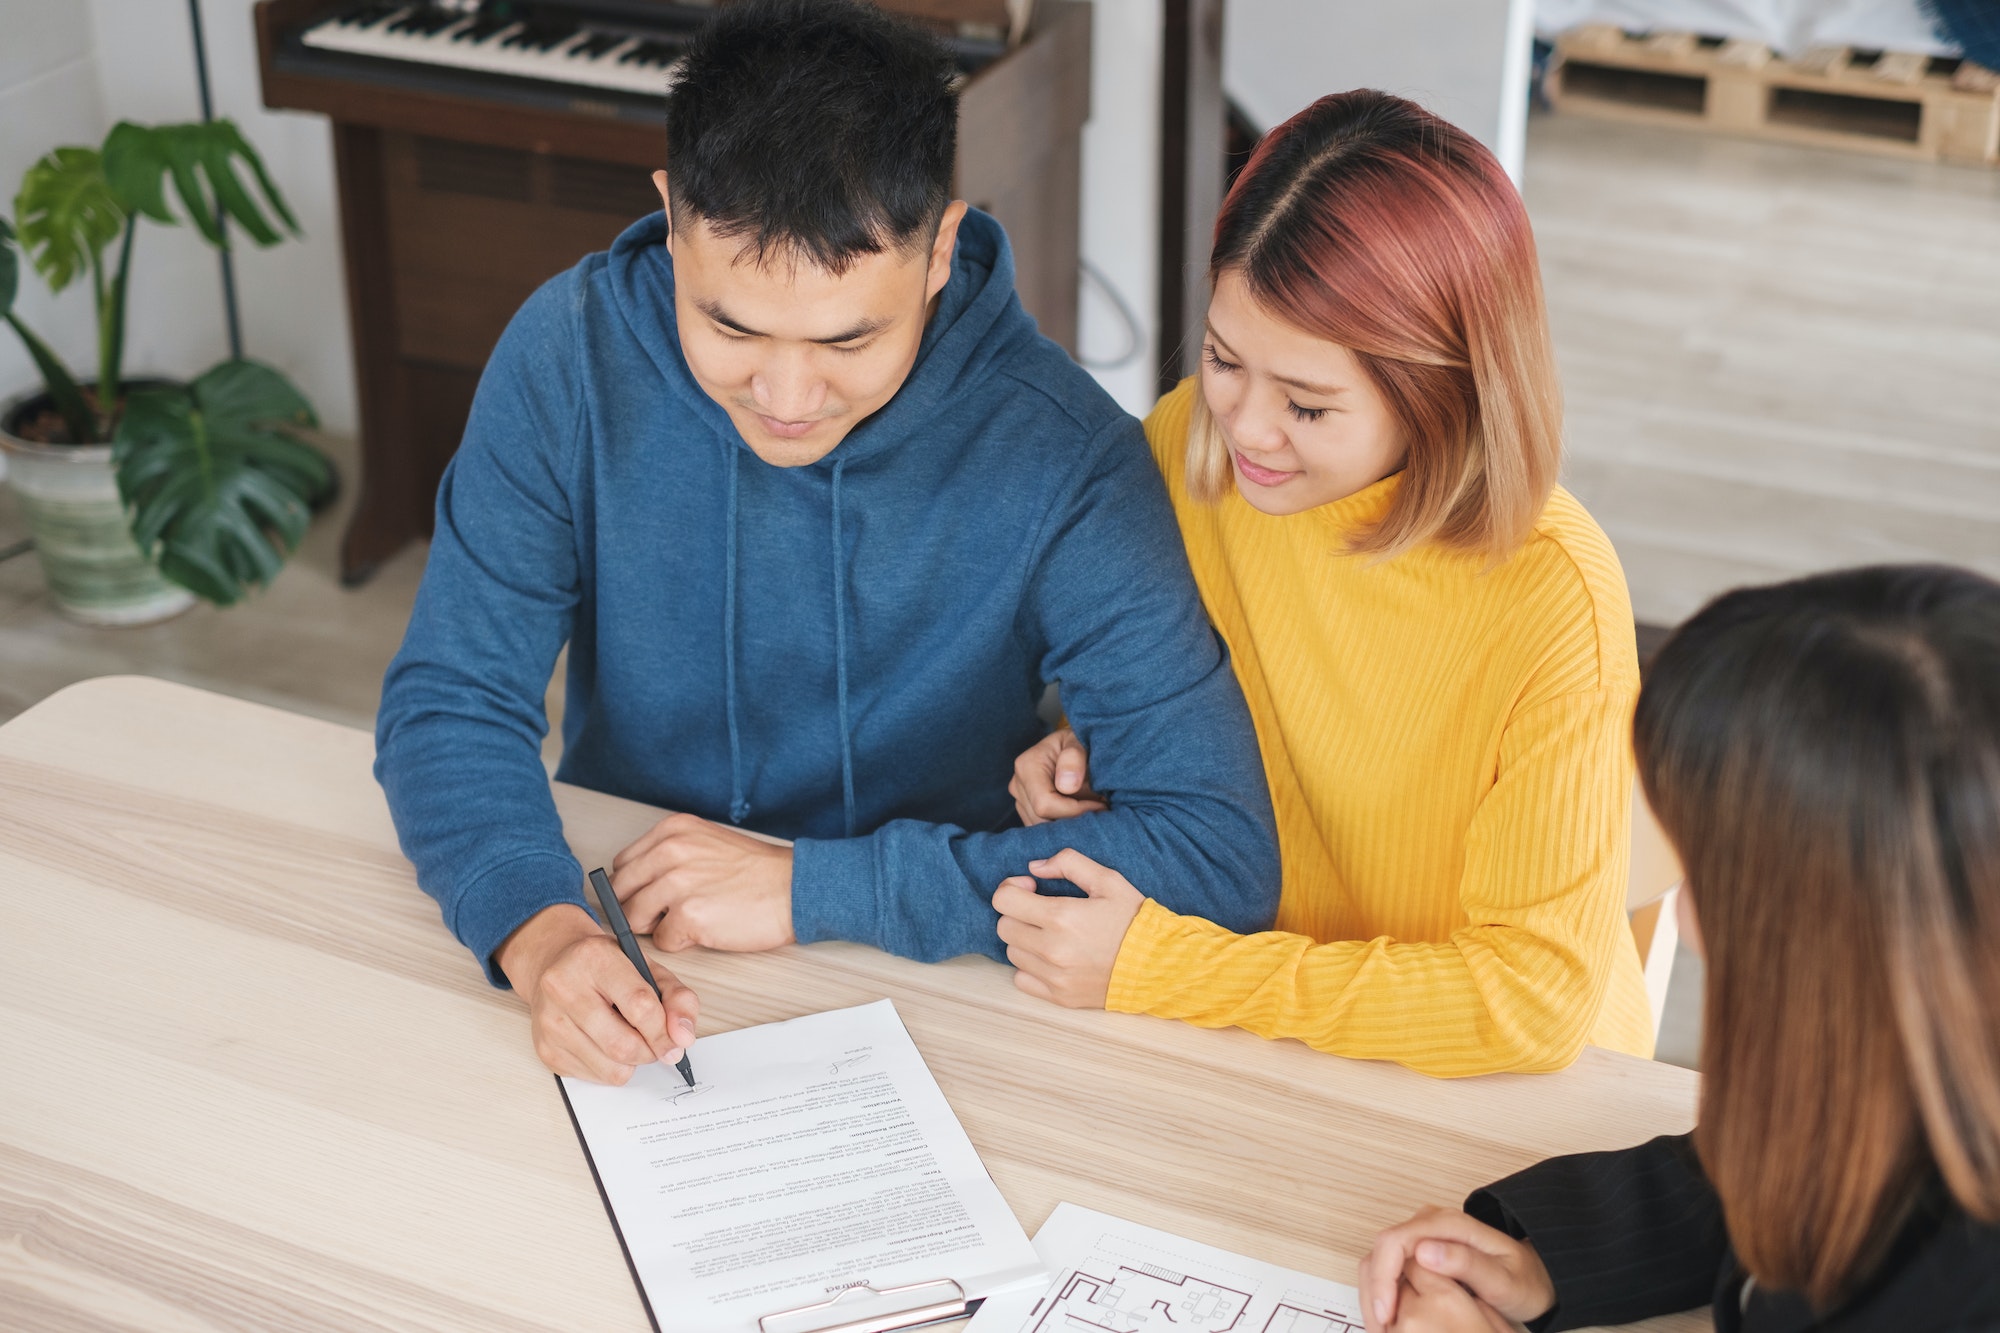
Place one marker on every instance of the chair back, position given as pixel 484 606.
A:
pixel 1650 903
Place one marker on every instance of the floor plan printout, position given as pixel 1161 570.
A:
pixel 810 1156
pixel 1115 1276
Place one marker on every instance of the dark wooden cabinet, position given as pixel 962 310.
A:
pixel 456 204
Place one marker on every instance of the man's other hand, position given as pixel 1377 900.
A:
pixel 592 1014
pixel 1052 780
pixel 691 882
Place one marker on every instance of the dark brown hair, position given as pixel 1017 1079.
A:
pixel 820 129
pixel 1370 222
pixel 1825 756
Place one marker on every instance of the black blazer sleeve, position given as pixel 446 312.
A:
pixel 1625 1235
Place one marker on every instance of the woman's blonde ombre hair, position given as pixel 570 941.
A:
pixel 1370 222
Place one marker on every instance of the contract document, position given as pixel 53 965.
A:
pixel 810 1157
pixel 1114 1276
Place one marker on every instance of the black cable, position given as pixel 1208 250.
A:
pixel 18 548
pixel 221 218
pixel 1134 333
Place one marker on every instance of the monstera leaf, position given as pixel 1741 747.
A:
pixel 219 489
pixel 63 391
pixel 201 160
pixel 67 214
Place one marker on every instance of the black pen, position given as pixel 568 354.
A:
pixel 614 916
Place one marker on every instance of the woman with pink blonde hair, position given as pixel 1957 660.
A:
pixel 1434 638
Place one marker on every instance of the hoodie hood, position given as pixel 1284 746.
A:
pixel 978 319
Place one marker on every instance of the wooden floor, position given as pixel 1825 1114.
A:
pixel 306 644
pixel 1776 359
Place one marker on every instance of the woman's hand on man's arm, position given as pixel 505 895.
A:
pixel 1052 780
pixel 1064 949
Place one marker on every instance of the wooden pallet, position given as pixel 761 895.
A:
pixel 1894 102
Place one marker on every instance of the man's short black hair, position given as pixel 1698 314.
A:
pixel 823 127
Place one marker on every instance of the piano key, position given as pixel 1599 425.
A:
pixel 367 16
pixel 482 28
pixel 423 22
pixel 596 44
pixel 648 53
pixel 541 36
pixel 559 52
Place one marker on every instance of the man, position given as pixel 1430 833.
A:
pixel 818 513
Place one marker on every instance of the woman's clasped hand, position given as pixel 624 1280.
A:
pixel 1445 1272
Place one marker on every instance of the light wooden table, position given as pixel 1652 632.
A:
pixel 251 1081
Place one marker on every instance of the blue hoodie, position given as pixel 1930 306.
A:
pixel 846 654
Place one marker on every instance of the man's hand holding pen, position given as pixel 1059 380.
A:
pixel 593 1015
pixel 687 882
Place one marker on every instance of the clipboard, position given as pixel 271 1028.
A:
pixel 859 1309
pixel 909 1295
pixel 863 1309
pixel 583 1142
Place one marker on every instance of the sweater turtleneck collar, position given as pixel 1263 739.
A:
pixel 1365 508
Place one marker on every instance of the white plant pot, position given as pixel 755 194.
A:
pixel 69 495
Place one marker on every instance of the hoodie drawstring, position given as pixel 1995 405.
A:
pixel 840 653
pixel 739 806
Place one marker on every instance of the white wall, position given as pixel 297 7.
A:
pixel 1121 191
pixel 48 96
pixel 1467 60
pixel 68 71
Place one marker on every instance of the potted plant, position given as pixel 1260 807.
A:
pixel 142 494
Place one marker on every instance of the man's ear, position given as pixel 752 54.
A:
pixel 666 202
pixel 941 248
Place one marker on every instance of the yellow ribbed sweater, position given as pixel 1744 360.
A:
pixel 1448 748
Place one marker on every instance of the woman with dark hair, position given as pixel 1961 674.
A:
pixel 1825 756
pixel 1434 638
